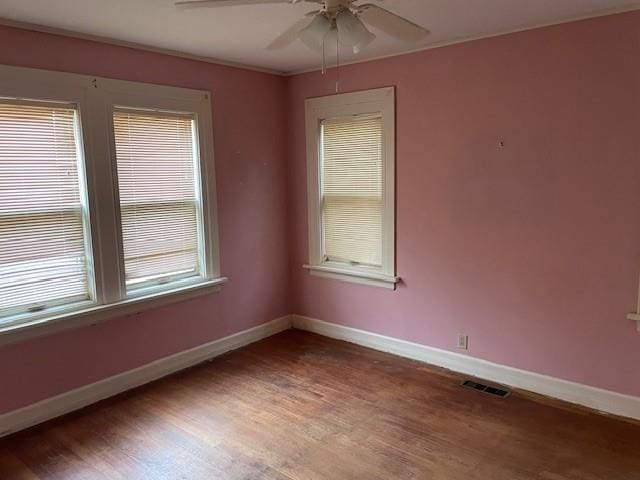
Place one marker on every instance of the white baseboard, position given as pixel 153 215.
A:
pixel 599 399
pixel 81 397
pixel 592 397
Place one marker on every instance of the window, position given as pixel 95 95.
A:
pixel 44 249
pixel 350 140
pixel 107 199
pixel 159 199
pixel 351 190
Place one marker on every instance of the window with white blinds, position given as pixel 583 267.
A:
pixel 351 186
pixel 352 190
pixel 107 199
pixel 43 235
pixel 160 202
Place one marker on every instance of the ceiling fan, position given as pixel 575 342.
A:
pixel 346 19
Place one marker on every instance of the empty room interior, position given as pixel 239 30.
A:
pixel 320 239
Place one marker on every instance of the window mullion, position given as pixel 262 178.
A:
pixel 104 201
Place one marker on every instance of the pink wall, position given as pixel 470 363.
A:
pixel 248 110
pixel 533 250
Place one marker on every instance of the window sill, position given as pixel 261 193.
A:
pixel 353 276
pixel 636 318
pixel 97 314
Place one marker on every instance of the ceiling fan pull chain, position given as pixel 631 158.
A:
pixel 337 64
pixel 324 62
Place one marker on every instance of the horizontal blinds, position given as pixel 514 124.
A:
pixel 158 195
pixel 42 244
pixel 352 196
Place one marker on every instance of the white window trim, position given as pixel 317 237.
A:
pixel 69 97
pixel 88 313
pixel 118 93
pixel 377 101
pixel 95 99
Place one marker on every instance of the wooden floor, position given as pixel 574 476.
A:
pixel 300 406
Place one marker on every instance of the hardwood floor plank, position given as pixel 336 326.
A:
pixel 298 406
pixel 12 467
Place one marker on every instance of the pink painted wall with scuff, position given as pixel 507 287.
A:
pixel 248 111
pixel 533 250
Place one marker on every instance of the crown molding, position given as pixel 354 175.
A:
pixel 290 73
pixel 138 46
pixel 601 13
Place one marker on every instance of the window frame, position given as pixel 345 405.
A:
pixel 135 96
pixel 21 88
pixel 380 101
pixel 95 99
pixel 144 287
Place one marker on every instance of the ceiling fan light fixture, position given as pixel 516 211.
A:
pixel 352 32
pixel 313 35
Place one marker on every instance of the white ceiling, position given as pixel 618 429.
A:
pixel 239 34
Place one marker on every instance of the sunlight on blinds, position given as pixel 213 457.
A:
pixel 352 196
pixel 42 244
pixel 159 198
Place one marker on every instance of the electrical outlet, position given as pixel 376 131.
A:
pixel 463 342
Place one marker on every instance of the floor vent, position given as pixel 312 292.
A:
pixel 481 387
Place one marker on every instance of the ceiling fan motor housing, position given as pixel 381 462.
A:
pixel 342 20
pixel 333 6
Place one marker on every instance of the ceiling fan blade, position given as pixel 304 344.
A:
pixel 291 34
pixel 225 3
pixel 392 24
